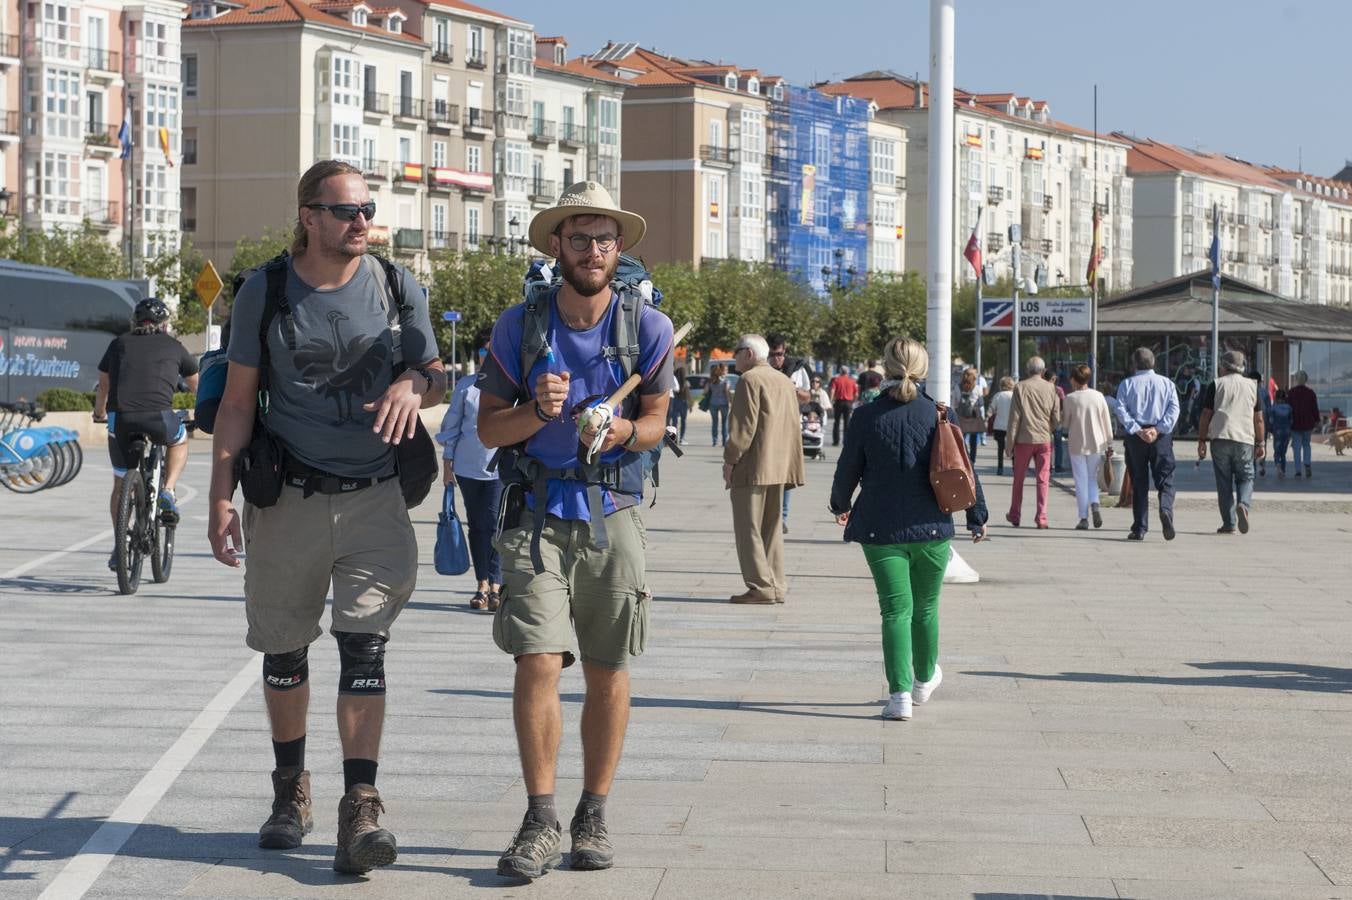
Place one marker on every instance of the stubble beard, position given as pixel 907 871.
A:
pixel 587 282
pixel 344 248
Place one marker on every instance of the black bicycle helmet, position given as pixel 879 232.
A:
pixel 151 309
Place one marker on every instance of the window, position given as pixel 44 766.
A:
pixel 715 133
pixel 190 74
pixel 359 17
pixel 884 256
pixel 730 81
pixel 59 176
pixel 441 38
pixel 346 143
pixel 753 137
pixel 439 154
pixel 161 111
pixel 609 118
pixel 439 222
pixel 60 103
pixel 752 191
pixel 368 151
pixel 394 24
pixel 189 146
pixel 516 99
pixel 713 193
pixel 713 244
pixel 94 123
pixel 753 85
pixel 154 191
pixel 520 52
pixel 474 158
pixel 884 213
pixel 472 214
pixel 187 209
pixel 405 150
pixel 474 52
pixel 346 85
pixel 885 162
pixel 821 153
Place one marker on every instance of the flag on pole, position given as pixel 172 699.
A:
pixel 973 251
pixel 124 139
pixel 1095 249
pixel 1215 253
pixel 164 145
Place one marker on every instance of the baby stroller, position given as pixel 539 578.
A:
pixel 814 437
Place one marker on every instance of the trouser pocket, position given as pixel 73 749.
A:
pixel 502 634
pixel 638 622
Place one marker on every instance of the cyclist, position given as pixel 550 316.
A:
pixel 137 377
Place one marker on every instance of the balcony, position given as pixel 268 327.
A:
pixel 104 65
pixel 442 115
pixel 510 184
pixel 154 65
pixel 901 182
pixel 573 134
pixel 9 125
pixel 9 50
pixel 1048 202
pixel 406 175
pixel 475 59
pixel 49 49
pixel 104 216
pixel 441 53
pixel 409 108
pixel 1045 246
pixel 543 191
pixel 715 155
pixel 512 122
pixel 994 241
pixel 1102 208
pixel 543 131
pixel 408 239
pixel 374 104
pixel 995 195
pixel 477 121
pixel 100 139
pixel 375 169
pixel 187 224
pixel 443 240
pixel 1242 219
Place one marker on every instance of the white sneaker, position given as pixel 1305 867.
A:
pixel 898 706
pixel 922 690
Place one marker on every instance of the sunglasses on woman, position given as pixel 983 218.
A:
pixel 347 212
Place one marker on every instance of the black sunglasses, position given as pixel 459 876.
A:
pixel 347 212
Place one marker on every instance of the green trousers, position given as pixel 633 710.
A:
pixel 908 577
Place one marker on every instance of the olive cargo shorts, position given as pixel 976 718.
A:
pixel 599 594
pixel 361 542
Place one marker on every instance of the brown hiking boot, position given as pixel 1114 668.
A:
pixel 291 819
pixel 362 843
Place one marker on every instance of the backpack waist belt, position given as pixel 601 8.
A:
pixel 595 505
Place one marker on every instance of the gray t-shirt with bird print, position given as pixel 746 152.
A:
pixel 343 359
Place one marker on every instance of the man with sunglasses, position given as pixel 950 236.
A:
pixel 576 554
pixel 337 409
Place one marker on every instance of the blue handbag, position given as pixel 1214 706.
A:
pixel 452 552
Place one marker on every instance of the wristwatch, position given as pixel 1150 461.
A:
pixel 630 441
pixel 425 373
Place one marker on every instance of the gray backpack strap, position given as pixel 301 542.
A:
pixel 385 273
pixel 534 332
pixel 625 349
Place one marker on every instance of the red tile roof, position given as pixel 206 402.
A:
pixel 285 12
pixel 471 8
pixel 577 67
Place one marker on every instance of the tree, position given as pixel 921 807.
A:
pixel 251 251
pixel 477 285
pixel 82 250
pixel 175 275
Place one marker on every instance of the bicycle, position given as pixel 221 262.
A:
pixel 142 529
pixel 34 458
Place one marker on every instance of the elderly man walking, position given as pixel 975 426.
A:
pixel 1034 416
pixel 763 458
pixel 1147 407
pixel 1232 421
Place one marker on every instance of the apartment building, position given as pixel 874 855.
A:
pixel 1020 166
pixel 887 195
pixel 575 125
pixel 70 73
pixel 1286 231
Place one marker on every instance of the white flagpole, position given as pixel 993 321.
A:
pixel 982 257
pixel 1216 295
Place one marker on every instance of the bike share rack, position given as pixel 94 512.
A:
pixel 35 458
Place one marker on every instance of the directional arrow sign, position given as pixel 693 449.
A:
pixel 208 285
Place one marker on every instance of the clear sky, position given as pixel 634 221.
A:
pixel 1266 81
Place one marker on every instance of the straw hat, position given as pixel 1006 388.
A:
pixel 585 198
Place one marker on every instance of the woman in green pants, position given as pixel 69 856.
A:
pixel 904 534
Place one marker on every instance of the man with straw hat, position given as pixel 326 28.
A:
pixel 572 537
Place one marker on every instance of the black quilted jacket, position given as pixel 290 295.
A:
pixel 886 455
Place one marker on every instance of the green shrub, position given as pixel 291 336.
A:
pixel 65 400
pixel 184 400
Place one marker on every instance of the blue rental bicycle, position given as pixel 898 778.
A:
pixel 35 458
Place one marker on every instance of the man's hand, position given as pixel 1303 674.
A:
pixel 843 519
pixel 1260 450
pixel 979 535
pixel 1148 434
pixel 99 417
pixel 224 534
pixel 397 409
pixel 727 476
pixel 447 472
pixel 616 434
pixel 1201 450
pixel 551 392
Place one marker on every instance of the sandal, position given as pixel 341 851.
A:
pixel 494 601
pixel 479 600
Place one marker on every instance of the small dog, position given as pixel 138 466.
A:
pixel 1341 440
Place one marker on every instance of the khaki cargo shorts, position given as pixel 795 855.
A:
pixel 361 543
pixel 601 595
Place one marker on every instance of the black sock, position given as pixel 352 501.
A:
pixel 540 808
pixel 289 753
pixel 597 802
pixel 358 771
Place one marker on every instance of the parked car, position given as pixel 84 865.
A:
pixel 697 383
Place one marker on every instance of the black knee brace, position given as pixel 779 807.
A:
pixel 285 671
pixel 362 658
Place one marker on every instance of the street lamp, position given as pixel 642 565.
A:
pixel 4 202
pixel 512 225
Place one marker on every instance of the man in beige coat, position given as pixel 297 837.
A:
pixel 763 456
pixel 1034 416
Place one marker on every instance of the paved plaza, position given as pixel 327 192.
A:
pixel 1162 720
